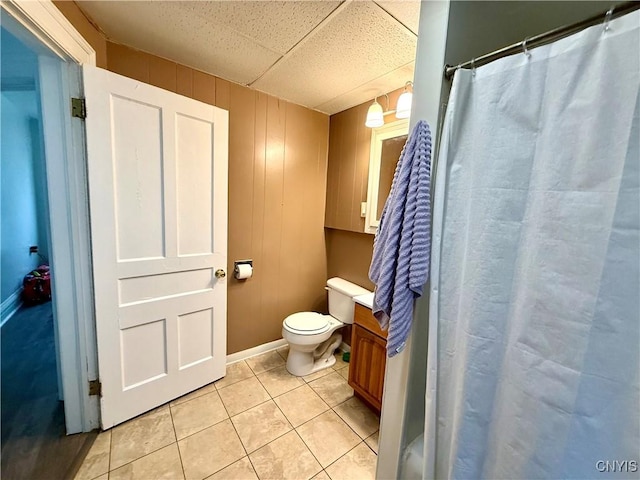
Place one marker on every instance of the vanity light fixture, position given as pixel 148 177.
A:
pixel 375 114
pixel 403 108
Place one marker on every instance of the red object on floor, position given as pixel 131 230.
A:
pixel 37 286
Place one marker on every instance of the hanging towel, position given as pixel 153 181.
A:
pixel 402 245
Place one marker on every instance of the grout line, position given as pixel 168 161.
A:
pixel 345 422
pixel 143 456
pixel 294 429
pixel 313 418
pixel 271 398
pixel 276 438
pixel 191 399
pixel 235 383
pixel 237 434
pixel 252 466
pixel 199 431
pixel 175 433
pixel 310 451
pixel 247 409
pixel 268 369
pixel 110 449
pixel 346 453
pixel 279 353
pixel 370 447
pixel 251 462
pixel 218 388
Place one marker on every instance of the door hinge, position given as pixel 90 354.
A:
pixel 95 387
pixel 78 108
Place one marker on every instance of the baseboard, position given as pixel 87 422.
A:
pixel 252 352
pixel 10 306
pixel 267 347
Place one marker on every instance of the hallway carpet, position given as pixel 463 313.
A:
pixel 34 444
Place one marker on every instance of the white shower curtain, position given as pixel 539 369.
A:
pixel 534 316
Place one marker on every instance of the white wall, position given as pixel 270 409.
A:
pixel 22 171
pixel 20 160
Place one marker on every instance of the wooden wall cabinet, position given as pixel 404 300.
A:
pixel 368 357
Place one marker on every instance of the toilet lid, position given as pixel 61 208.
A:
pixel 307 323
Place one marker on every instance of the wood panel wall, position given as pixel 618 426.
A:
pixel 348 170
pixel 86 28
pixel 349 256
pixel 277 189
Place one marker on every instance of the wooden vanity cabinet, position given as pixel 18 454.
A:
pixel 368 357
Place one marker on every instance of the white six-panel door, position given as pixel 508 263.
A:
pixel 157 164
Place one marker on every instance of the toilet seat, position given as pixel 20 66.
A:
pixel 307 323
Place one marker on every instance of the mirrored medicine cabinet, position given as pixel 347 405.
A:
pixel 387 143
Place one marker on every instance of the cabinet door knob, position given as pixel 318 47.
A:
pixel 220 273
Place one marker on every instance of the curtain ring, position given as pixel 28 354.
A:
pixel 607 19
pixel 525 50
pixel 473 67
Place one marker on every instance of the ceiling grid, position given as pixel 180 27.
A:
pixel 325 55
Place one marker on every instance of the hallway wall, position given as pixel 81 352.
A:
pixel 21 224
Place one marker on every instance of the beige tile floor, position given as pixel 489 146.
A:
pixel 259 422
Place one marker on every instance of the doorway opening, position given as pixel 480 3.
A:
pixel 34 440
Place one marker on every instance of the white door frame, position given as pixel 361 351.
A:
pixel 68 205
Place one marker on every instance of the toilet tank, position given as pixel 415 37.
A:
pixel 341 293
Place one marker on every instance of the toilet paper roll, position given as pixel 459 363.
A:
pixel 243 271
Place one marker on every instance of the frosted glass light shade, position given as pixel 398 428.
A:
pixel 375 117
pixel 403 109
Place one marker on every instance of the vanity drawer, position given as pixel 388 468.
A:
pixel 364 318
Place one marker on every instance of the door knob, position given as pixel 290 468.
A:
pixel 220 273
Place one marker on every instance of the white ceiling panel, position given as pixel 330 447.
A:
pixel 408 13
pixel 361 43
pixel 364 93
pixel 278 26
pixel 167 30
pixel 327 55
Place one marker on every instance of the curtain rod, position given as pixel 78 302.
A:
pixel 545 38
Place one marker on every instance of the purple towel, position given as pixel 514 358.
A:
pixel 402 246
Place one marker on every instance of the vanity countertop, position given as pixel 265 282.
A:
pixel 365 300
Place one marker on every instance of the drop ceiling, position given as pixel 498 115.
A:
pixel 325 55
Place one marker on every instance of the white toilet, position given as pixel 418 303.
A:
pixel 312 337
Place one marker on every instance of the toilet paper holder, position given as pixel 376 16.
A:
pixel 241 262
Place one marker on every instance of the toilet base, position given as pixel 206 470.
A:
pixel 303 363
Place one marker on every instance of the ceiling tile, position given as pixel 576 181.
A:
pixel 277 26
pixel 166 29
pixel 360 43
pixel 336 54
pixel 366 92
pixel 406 12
